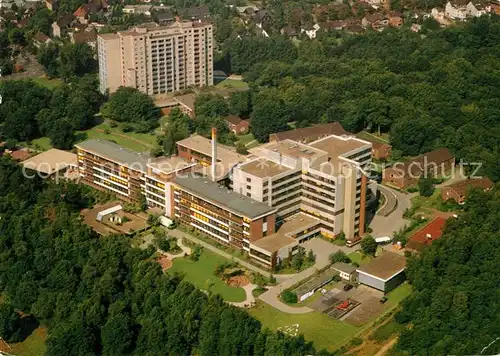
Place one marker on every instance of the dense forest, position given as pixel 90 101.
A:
pixel 437 90
pixel 100 295
pixel 454 308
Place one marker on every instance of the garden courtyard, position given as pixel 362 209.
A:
pixel 201 274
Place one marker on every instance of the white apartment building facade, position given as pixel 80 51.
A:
pixel 157 59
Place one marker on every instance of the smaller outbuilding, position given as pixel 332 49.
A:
pixel 383 273
pixel 346 271
pixel 53 162
pixel 308 288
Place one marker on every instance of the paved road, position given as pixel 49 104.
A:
pixel 391 202
pixel 322 249
pixel 387 225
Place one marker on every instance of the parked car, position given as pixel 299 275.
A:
pixel 383 300
pixel 347 287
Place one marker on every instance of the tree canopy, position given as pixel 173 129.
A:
pixel 438 90
pixel 101 295
pixel 137 110
pixel 454 308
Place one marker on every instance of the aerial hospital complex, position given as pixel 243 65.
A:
pixel 266 203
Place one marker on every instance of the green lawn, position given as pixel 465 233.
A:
pixel 324 332
pixel 397 295
pixel 200 273
pixel 359 257
pixel 383 138
pixel 232 83
pixel 132 140
pixel 33 345
pixel 434 201
pixel 135 141
pixel 48 83
pixel 245 139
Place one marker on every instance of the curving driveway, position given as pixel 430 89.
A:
pixel 391 201
pixel 387 225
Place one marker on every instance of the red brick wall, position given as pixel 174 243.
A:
pixel 362 206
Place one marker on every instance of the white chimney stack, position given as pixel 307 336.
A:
pixel 428 236
pixel 214 153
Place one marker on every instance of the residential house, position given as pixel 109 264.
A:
pixel 458 191
pixel 165 17
pixel 378 3
pixel 89 37
pixel 477 9
pixel 51 5
pixel 380 151
pixel 341 25
pixel 495 8
pixel 437 13
pixel 290 32
pixel 426 235
pixel 310 30
pixel 40 39
pixel 376 21
pixel 431 164
pixel 83 13
pixel 346 271
pixel 236 124
pixel 195 13
pixel 456 10
pixel 62 25
pixel 262 18
pixel 395 19
pixel 415 27
pixel 138 9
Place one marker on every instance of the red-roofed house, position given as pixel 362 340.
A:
pixel 426 235
pixel 20 155
pixel 458 191
pixel 236 124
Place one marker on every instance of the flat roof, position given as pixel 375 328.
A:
pixel 316 282
pixel 344 267
pixel 294 149
pixel 280 239
pixel 186 100
pixel 218 195
pixel 299 221
pixel 336 146
pixel 263 168
pixel 203 145
pixel 274 242
pixel 169 164
pixel 51 161
pixel 384 267
pixel 116 153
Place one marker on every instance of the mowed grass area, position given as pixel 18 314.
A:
pixel 135 141
pixel 48 83
pixel 324 332
pixel 359 257
pixel 232 83
pixel 397 295
pixel 200 273
pixel 383 138
pixel 33 345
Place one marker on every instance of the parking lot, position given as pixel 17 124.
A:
pixel 364 304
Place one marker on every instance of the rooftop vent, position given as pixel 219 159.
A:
pixel 428 236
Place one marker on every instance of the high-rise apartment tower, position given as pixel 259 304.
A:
pixel 157 59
